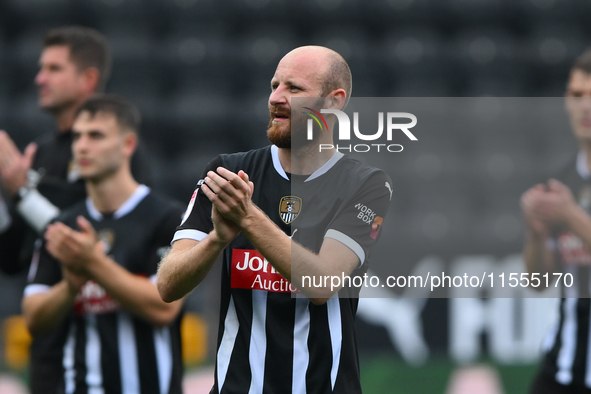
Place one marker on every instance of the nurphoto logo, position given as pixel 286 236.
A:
pixel 345 130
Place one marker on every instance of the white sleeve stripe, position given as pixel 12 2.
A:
pixel 153 278
pixel 189 234
pixel 348 242
pixel 36 289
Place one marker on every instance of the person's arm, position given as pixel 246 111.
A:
pixel 557 206
pixel 579 222
pixel 187 265
pixel 20 182
pixel 50 292
pixel 13 164
pixel 198 242
pixel 537 256
pixel 44 310
pixel 81 252
pixel 229 193
pixel 545 206
pixel 137 294
pixel 293 261
pixel 190 260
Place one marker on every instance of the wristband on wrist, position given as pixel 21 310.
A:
pixel 37 210
pixel 21 193
pixel 33 178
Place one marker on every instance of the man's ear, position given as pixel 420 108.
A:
pixel 129 142
pixel 91 79
pixel 337 99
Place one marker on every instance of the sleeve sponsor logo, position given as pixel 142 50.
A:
pixel 366 215
pixel 250 270
pixel 573 250
pixel 191 204
pixel 376 226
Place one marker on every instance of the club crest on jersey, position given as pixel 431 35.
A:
pixel 290 208
pixel 107 237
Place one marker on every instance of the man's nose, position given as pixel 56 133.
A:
pixel 278 96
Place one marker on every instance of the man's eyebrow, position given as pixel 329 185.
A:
pixel 294 83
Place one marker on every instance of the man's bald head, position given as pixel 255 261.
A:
pixel 305 72
pixel 333 71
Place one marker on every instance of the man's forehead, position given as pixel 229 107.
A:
pixel 579 79
pixel 55 52
pixel 311 60
pixel 102 117
pixel 299 67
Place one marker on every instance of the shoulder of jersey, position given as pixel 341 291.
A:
pixel 243 159
pixel 72 212
pixel 160 203
pixel 46 139
pixel 359 168
pixel 567 169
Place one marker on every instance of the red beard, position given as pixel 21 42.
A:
pixel 279 134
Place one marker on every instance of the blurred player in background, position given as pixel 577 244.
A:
pixel 277 214
pixel 75 64
pixel 558 239
pixel 93 278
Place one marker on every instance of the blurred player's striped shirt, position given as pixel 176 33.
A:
pixel 568 346
pixel 106 349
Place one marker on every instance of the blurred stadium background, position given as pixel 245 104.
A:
pixel 200 69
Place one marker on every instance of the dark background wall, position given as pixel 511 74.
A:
pixel 200 69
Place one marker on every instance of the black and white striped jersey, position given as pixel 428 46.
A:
pixel 270 341
pixel 568 352
pixel 105 348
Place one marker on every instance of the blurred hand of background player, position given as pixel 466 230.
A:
pixel 544 206
pixel 529 200
pixel 74 249
pixel 13 164
pixel 75 280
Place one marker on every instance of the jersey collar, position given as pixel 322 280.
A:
pixel 321 171
pixel 582 167
pixel 128 206
pixel 277 163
